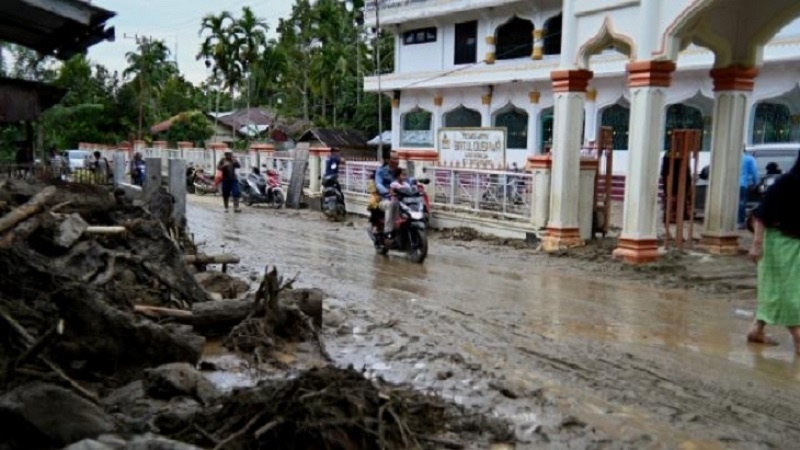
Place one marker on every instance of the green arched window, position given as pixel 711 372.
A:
pixel 462 117
pixel 417 130
pixel 773 124
pixel 617 117
pixel 681 117
pixel 546 123
pixel 516 122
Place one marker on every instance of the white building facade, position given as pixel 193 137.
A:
pixel 553 72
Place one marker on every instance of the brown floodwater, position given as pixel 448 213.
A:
pixel 630 360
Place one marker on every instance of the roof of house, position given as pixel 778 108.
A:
pixel 61 28
pixel 164 125
pixel 22 100
pixel 244 117
pixel 336 138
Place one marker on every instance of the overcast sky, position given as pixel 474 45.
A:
pixel 177 23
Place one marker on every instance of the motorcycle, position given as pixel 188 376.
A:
pixel 257 190
pixel 759 192
pixel 410 226
pixel 202 184
pixel 333 205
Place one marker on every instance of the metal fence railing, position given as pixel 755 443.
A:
pixel 498 193
pixel 357 176
pixel 54 173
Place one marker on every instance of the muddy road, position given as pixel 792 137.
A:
pixel 574 356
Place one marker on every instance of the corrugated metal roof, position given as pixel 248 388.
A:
pixel 22 100
pixel 336 138
pixel 61 28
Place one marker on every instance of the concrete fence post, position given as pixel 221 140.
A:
pixel 119 167
pixel 540 166
pixel 177 187
pixel 152 180
pixel 587 183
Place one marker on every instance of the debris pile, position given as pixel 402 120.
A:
pixel 330 408
pixel 103 321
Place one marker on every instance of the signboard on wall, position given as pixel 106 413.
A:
pixel 472 147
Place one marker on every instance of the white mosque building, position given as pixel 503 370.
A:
pixel 552 72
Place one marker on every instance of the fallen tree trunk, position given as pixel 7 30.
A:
pixel 33 206
pixel 212 259
pixel 181 315
pixel 105 230
pixel 216 318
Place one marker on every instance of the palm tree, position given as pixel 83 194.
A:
pixel 220 49
pixel 250 35
pixel 150 67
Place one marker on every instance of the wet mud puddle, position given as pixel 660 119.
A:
pixel 567 358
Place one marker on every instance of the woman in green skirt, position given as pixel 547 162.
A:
pixel 776 248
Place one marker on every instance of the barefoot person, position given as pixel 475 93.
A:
pixel 776 247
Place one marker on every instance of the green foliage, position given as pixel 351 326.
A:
pixel 190 126
pixel 313 69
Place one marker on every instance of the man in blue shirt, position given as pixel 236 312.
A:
pixel 384 177
pixel 332 163
pixel 747 179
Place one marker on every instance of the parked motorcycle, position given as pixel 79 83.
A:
pixel 333 205
pixel 203 184
pixel 256 189
pixel 760 191
pixel 410 226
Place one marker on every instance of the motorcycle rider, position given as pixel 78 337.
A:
pixel 384 177
pixel 230 183
pixel 333 162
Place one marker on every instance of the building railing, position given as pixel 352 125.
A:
pixel 496 193
pixel 356 176
pixel 502 194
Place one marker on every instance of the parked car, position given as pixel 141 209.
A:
pixel 783 155
pixel 76 159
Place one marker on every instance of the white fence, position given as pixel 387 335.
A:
pixel 498 193
pixel 501 194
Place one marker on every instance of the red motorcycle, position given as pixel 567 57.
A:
pixel 410 226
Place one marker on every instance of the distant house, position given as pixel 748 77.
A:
pixel 351 143
pixel 256 124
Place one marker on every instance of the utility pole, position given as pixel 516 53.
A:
pixel 380 91
pixel 144 42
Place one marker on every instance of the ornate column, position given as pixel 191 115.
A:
pixel 569 92
pixel 438 101
pixel 397 126
pixel 486 108
pixel 490 49
pixel 533 123
pixel 732 88
pixel 538 44
pixel 648 82
pixel 590 121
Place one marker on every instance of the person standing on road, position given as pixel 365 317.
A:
pixel 230 182
pixel 776 248
pixel 137 169
pixel 747 179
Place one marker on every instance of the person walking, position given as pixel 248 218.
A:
pixel 776 248
pixel 230 182
pixel 102 168
pixel 747 180
pixel 137 169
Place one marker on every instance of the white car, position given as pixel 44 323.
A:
pixel 76 159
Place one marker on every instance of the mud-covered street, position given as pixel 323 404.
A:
pixel 575 352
